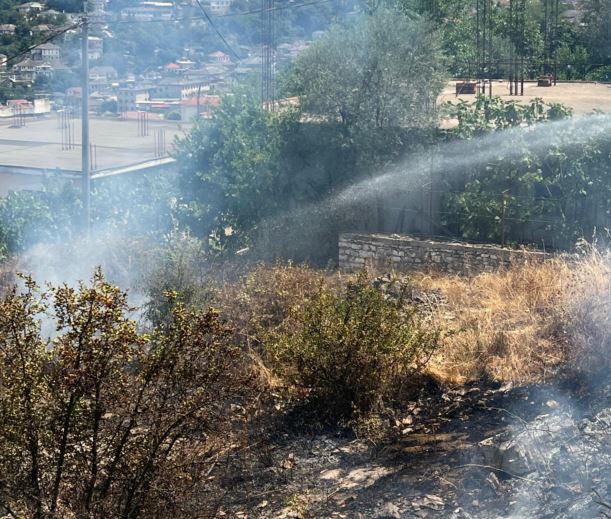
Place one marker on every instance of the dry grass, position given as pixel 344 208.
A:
pixel 522 324
pixel 519 325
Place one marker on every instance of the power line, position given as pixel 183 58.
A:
pixel 228 15
pixel 46 40
pixel 279 8
pixel 216 30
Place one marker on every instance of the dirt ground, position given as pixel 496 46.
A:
pixel 582 97
pixel 477 452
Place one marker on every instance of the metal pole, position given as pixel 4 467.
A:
pixel 85 176
pixel 511 49
pixel 503 212
pixel 553 54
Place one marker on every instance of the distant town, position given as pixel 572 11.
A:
pixel 46 78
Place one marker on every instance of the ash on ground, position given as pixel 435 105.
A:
pixel 479 451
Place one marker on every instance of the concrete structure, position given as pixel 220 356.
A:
pixel 41 142
pixel 95 46
pixel 402 252
pixel 19 178
pixel 220 6
pixel 52 13
pixel 149 11
pixel 25 108
pixel 188 107
pixel 29 69
pixel 98 5
pixel 128 98
pixel 7 29
pixel 3 58
pixel 103 73
pixel 220 57
pixel 42 29
pixel 47 52
pixel 173 88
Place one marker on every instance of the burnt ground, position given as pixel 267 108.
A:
pixel 480 451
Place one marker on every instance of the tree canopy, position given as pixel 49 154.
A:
pixel 385 70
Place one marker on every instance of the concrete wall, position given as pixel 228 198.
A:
pixel 403 252
pixel 16 178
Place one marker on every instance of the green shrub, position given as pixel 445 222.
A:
pixel 349 351
pixel 173 116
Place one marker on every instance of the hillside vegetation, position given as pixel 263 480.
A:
pixel 104 417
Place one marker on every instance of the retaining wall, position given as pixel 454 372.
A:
pixel 404 252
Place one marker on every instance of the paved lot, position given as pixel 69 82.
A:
pixel 39 143
pixel 582 97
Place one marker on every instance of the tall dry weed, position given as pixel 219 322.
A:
pixel 524 323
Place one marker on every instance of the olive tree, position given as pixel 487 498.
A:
pixel 385 70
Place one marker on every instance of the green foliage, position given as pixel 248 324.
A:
pixel 109 106
pixel 600 74
pixel 349 351
pixel 141 205
pixel 230 171
pixel 560 189
pixel 173 116
pixel 245 173
pixel 135 205
pixel 97 420
pixel 179 265
pixel 28 217
pixel 488 114
pixel 382 71
pixel 67 6
pixel 597 29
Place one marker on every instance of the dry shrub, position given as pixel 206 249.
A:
pixel 264 297
pixel 589 311
pixel 7 276
pixel 102 420
pixel 349 351
pixel 522 324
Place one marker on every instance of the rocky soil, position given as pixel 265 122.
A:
pixel 480 451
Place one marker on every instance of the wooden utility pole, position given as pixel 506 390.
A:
pixel 85 166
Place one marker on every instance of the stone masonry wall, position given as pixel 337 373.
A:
pixel 403 252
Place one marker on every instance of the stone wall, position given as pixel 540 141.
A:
pixel 403 252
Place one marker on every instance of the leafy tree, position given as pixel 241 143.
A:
pixel 67 6
pixel 382 71
pixel 28 217
pixel 597 29
pixel 123 206
pixel 230 171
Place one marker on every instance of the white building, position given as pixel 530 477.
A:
pixel 47 52
pixel 171 88
pixel 128 98
pixel 30 7
pixel 95 46
pixel 149 11
pixel 7 29
pixel 220 6
pixel 29 69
